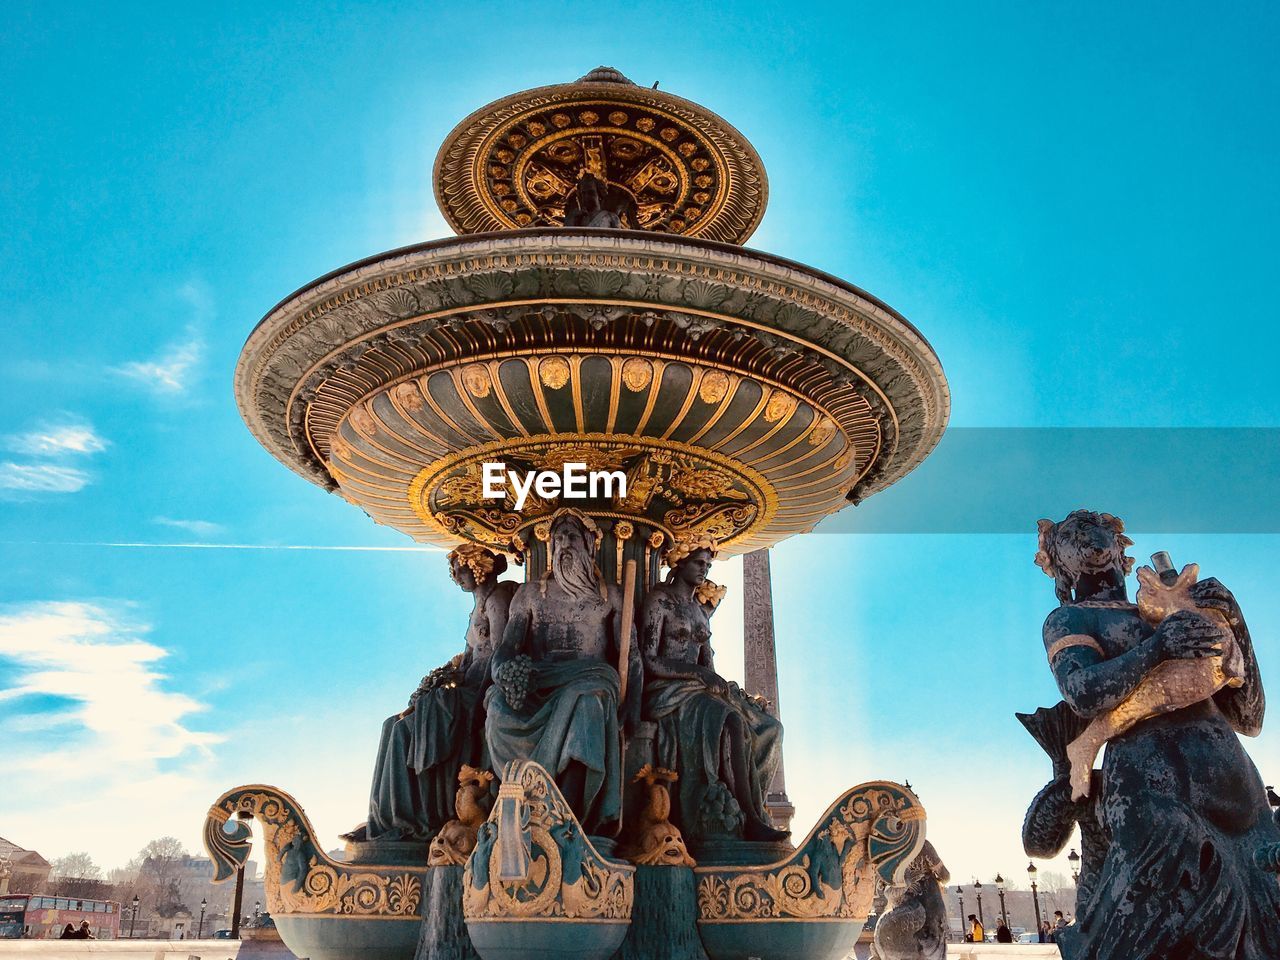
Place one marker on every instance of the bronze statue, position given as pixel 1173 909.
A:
pixel 422 748
pixel 1170 685
pixel 597 203
pixel 1178 806
pixel 913 923
pixel 556 677
pixel 457 838
pixel 717 739
pixel 653 840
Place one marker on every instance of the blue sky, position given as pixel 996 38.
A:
pixel 1076 206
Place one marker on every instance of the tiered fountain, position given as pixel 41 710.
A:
pixel 596 308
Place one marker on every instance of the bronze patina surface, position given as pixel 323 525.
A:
pixel 774 393
pixel 1175 827
pixel 672 165
pixel 597 310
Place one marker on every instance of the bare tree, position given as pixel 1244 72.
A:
pixel 124 876
pixel 165 848
pixel 156 871
pixel 77 865
pixel 1053 889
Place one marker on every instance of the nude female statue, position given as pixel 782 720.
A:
pixel 1180 806
pixel 422 748
pixel 709 732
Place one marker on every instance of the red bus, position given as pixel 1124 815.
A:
pixel 44 918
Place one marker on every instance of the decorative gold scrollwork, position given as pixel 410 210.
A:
pixel 872 832
pixel 300 877
pixel 561 875
pixel 688 490
pixel 518 162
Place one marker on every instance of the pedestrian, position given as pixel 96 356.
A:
pixel 68 933
pixel 1046 933
pixel 976 933
pixel 84 933
pixel 1003 933
pixel 1059 922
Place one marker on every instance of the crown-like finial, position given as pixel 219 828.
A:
pixel 605 75
pixel 657 163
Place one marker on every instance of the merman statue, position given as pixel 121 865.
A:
pixel 1179 807
pixel 422 748
pixel 724 746
pixel 913 923
pixel 1171 685
pixel 555 697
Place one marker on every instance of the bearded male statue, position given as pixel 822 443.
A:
pixel 422 748
pixel 555 698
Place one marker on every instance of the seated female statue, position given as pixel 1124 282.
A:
pixel 724 745
pixel 422 748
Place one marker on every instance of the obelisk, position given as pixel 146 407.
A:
pixel 761 662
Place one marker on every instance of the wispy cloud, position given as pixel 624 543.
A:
pixel 52 452
pixel 29 478
pixel 56 440
pixel 87 656
pixel 199 528
pixel 177 366
pixel 172 371
pixel 91 723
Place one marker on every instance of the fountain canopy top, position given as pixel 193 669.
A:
pixel 679 168
pixel 745 397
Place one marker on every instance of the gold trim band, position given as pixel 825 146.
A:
pixel 1075 640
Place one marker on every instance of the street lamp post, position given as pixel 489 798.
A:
pixel 133 916
pixel 204 902
pixel 1004 916
pixel 1035 895
pixel 977 890
pixel 257 905
pixel 960 897
pixel 1075 866
pixel 239 894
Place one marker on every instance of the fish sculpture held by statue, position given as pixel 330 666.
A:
pixel 1170 686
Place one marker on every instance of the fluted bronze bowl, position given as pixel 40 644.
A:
pixel 746 397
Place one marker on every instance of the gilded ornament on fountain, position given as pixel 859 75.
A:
pixel 596 308
pixel 746 397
